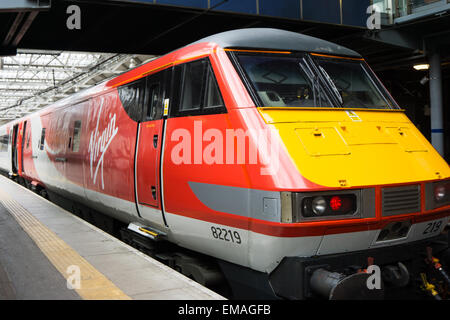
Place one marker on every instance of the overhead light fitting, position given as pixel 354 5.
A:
pixel 423 66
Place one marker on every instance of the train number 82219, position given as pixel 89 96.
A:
pixel 226 235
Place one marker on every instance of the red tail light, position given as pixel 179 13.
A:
pixel 335 203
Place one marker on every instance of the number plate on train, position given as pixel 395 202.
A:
pixel 432 227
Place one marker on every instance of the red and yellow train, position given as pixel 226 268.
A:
pixel 280 155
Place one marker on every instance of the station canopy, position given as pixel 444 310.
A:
pixel 33 79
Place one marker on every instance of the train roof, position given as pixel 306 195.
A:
pixel 276 39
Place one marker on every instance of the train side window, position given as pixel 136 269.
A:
pixel 28 139
pixel 132 97
pixel 42 141
pixel 4 141
pixel 154 103
pixel 193 85
pixel 199 94
pixel 213 97
pixel 76 136
pixel 158 86
pixel 177 74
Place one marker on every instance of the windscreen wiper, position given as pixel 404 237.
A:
pixel 314 79
pixel 332 85
pixel 326 84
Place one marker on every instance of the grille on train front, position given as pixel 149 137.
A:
pixel 400 200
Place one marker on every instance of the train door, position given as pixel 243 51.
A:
pixel 148 152
pixel 74 148
pixel 14 157
pixel 22 145
pixel 27 151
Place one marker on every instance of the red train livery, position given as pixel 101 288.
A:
pixel 280 155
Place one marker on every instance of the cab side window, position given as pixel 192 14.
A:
pixel 213 97
pixel 195 90
pixel 155 93
pixel 193 87
pixel 154 102
pixel 132 97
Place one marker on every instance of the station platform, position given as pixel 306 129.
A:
pixel 47 253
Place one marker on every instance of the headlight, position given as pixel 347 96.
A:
pixel 329 205
pixel 439 192
pixel 319 205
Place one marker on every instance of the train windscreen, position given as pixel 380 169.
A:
pixel 306 81
pixel 353 83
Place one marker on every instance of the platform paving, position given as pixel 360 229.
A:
pixel 40 243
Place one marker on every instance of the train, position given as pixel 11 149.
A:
pixel 279 157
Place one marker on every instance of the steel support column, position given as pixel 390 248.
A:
pixel 437 125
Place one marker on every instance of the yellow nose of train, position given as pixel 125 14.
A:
pixel 349 148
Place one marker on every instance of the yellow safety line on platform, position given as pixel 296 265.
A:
pixel 93 285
